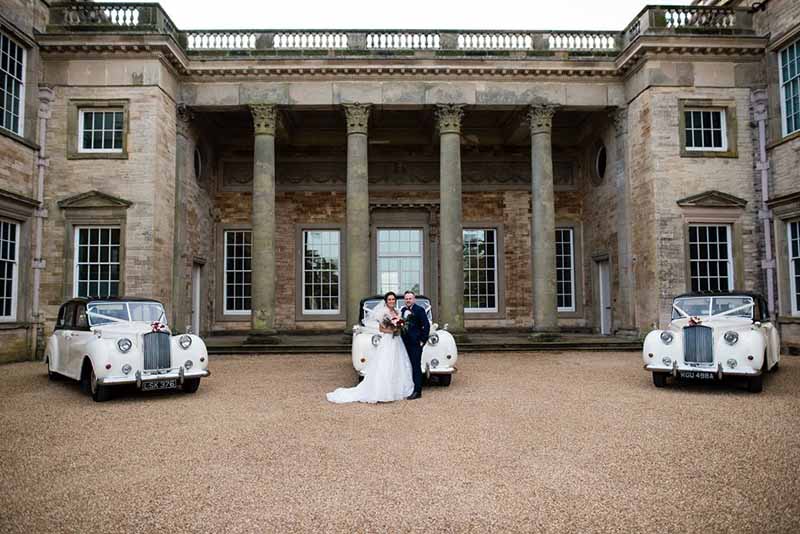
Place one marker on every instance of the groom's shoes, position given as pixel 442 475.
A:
pixel 414 396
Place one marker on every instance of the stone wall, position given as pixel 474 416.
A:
pixel 145 178
pixel 17 167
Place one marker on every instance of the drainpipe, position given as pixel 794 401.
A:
pixel 42 162
pixel 759 102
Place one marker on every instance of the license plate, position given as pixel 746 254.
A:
pixel 697 374
pixel 153 385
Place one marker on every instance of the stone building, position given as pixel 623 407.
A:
pixel 265 181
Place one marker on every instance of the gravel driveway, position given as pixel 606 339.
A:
pixel 573 442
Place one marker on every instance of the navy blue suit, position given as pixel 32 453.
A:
pixel 414 338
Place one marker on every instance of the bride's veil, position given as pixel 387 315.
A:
pixel 374 317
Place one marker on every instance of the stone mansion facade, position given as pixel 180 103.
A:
pixel 264 181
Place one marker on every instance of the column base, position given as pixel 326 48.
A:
pixel 545 334
pixel 262 338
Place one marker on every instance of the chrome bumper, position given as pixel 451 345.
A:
pixel 165 374
pixel 718 370
pixel 443 370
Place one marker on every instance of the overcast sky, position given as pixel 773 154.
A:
pixel 406 14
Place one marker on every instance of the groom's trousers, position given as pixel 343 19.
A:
pixel 415 356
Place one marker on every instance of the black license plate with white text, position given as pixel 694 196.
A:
pixel 701 375
pixel 154 385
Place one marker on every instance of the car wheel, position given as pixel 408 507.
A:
pixel 50 373
pixel 755 384
pixel 444 380
pixel 190 385
pixel 99 393
pixel 660 379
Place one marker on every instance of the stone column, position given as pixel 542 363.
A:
pixel 183 118
pixel 451 248
pixel 262 319
pixel 543 229
pixel 626 299
pixel 357 232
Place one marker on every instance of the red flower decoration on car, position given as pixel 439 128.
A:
pixel 694 321
pixel 157 326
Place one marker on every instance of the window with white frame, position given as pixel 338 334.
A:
pixel 12 84
pixel 400 260
pixel 710 257
pixel 9 268
pixel 238 271
pixel 97 261
pixel 565 269
pixel 100 130
pixel 794 265
pixel 321 286
pixel 790 87
pixel 480 270
pixel 705 129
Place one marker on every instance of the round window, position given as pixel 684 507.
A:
pixel 600 160
pixel 198 163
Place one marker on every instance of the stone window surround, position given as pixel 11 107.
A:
pixel 781 93
pixel 23 85
pixel 74 107
pixel 785 209
pixel 219 301
pixel 299 280
pixel 19 210
pixel 500 284
pixel 577 265
pixel 776 137
pixel 82 127
pixel 715 215
pixel 75 218
pixel 403 218
pixel 728 106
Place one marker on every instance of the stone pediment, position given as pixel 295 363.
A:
pixel 94 199
pixel 712 199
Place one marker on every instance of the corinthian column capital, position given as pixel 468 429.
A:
pixel 357 118
pixel 540 117
pixel 265 118
pixel 183 116
pixel 448 117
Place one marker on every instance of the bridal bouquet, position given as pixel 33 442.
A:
pixel 396 324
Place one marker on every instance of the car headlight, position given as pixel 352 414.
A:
pixel 185 342
pixel 433 339
pixel 375 340
pixel 126 368
pixel 124 344
pixel 731 337
pixel 434 363
pixel 188 364
pixel 667 361
pixel 667 337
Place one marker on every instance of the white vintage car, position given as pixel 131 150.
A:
pixel 438 357
pixel 713 335
pixel 113 341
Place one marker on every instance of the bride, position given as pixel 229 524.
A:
pixel 387 375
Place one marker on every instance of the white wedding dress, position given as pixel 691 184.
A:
pixel 387 375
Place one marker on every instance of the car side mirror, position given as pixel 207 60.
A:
pixel 757 324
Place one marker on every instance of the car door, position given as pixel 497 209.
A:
pixel 81 335
pixel 63 334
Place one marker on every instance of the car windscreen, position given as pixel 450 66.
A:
pixel 110 312
pixel 707 306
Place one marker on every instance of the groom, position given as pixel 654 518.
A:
pixel 414 338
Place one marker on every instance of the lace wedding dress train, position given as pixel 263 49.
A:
pixel 387 375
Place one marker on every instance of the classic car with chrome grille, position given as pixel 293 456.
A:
pixel 438 356
pixel 714 335
pixel 107 342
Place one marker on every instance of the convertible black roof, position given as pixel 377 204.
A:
pixel 87 300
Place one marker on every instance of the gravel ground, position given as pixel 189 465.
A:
pixel 573 442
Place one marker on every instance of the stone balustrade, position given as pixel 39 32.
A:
pixel 150 18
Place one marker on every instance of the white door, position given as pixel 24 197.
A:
pixel 400 265
pixel 196 271
pixel 605 297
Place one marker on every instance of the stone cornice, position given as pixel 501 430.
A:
pixel 249 65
